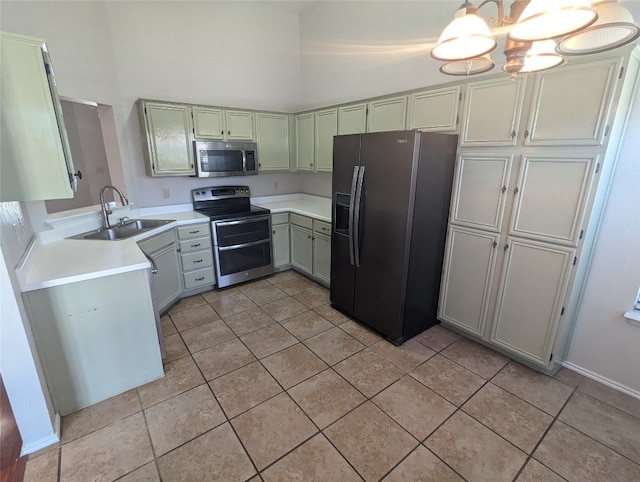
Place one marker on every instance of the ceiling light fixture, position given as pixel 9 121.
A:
pixel 540 32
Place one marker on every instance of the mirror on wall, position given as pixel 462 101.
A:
pixel 95 152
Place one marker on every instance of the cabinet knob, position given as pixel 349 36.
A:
pixel 221 133
pixel 513 134
pixel 516 190
pixel 504 189
pixel 506 246
pixel 526 133
pixel 308 236
pixel 228 133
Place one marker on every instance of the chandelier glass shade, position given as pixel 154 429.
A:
pixel 540 33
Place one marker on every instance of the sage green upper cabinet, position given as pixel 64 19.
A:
pixel 434 110
pixel 387 114
pixel 480 191
pixel 35 161
pixel 352 119
pixel 305 146
pixel 326 125
pixel 222 124
pixel 167 128
pixel 550 197
pixel 272 135
pixel 571 105
pixel 208 123
pixel 492 110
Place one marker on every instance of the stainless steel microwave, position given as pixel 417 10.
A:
pixel 220 159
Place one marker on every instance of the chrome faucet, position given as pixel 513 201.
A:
pixel 105 210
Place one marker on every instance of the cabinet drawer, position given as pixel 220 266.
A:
pixel 198 259
pixel 320 227
pixel 158 241
pixel 195 244
pixel 303 221
pixel 201 277
pixel 194 231
pixel 279 218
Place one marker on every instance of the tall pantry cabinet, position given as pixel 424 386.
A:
pixel 535 160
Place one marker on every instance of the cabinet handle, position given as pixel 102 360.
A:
pixel 200 279
pixel 495 244
pixel 513 134
pixel 506 246
pixel 504 189
pixel 526 133
pixel 194 232
pixel 228 133
pixel 221 133
pixel 308 236
pixel 197 260
pixel 325 229
pixel 516 190
pixel 274 232
pixel 195 245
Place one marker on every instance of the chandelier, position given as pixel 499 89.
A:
pixel 540 34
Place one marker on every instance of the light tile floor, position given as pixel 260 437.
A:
pixel 265 381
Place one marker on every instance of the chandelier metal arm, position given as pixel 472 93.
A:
pixel 516 9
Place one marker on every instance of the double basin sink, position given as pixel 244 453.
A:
pixel 124 230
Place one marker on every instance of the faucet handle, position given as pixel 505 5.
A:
pixel 121 221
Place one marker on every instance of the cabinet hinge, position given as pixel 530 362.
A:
pixel 575 260
pixel 597 168
pixel 621 72
pixel 581 234
pixel 606 131
pixel 47 68
pixel 562 312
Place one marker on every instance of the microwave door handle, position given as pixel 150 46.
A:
pixel 244 161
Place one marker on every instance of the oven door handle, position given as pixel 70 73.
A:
pixel 241 221
pixel 244 245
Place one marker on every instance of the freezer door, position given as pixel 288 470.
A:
pixel 346 158
pixel 389 163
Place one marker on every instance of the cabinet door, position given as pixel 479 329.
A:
pixel 239 125
pixel 280 238
pixel 168 279
pixel 480 191
pixel 33 147
pixel 322 258
pixel 168 135
pixel 467 276
pixel 434 110
pixel 304 142
pixel 492 111
pixel 550 198
pixel 301 249
pixel 352 119
pixel 208 123
pixel 571 105
pixel 272 134
pixel 387 115
pixel 532 289
pixel 326 127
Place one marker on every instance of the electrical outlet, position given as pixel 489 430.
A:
pixel 165 193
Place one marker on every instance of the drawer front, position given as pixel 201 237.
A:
pixel 194 231
pixel 320 227
pixel 196 260
pixel 195 244
pixel 279 218
pixel 201 277
pixel 303 221
pixel 158 241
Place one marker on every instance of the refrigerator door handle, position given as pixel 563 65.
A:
pixel 356 218
pixel 354 182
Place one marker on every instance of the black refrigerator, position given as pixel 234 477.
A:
pixel 390 201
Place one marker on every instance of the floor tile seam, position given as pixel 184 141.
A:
pixel 301 381
pixel 637 417
pixel 339 361
pixel 207 347
pixel 421 444
pixel 476 373
pixel 153 450
pixel 544 435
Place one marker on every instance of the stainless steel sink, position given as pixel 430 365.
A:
pixel 126 230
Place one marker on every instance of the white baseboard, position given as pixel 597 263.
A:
pixel 43 442
pixel 605 381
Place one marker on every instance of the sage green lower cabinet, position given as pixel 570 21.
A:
pixel 301 245
pixel 196 257
pixel 280 240
pixel 322 251
pixel 96 338
pixel 163 250
pixel 311 247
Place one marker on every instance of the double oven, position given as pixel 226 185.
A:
pixel 241 233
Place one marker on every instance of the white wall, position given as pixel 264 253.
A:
pixel 603 341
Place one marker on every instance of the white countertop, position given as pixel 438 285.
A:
pixel 52 260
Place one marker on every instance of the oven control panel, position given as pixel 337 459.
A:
pixel 220 192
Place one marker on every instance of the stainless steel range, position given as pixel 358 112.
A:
pixel 241 233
